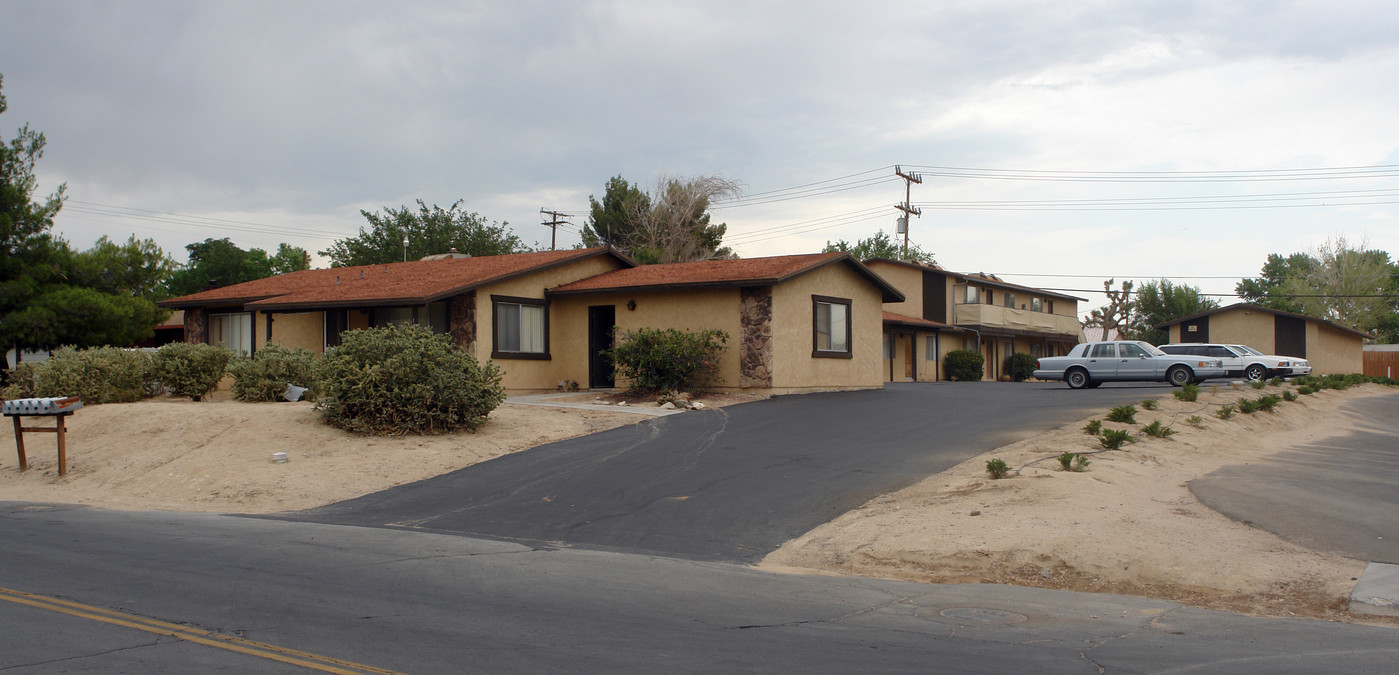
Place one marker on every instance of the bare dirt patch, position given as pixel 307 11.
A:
pixel 171 454
pixel 1126 525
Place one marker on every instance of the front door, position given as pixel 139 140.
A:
pixel 601 319
pixel 909 372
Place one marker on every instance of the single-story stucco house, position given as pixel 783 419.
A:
pixel 794 322
pixel 1330 347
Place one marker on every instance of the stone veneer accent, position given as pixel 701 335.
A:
pixel 461 318
pixel 755 344
pixel 195 322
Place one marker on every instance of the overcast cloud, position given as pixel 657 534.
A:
pixel 295 115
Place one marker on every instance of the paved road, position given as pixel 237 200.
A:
pixel 1334 495
pixel 730 484
pixel 98 583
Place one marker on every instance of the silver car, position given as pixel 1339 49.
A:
pixel 1093 363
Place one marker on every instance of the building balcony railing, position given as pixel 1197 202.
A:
pixel 1016 319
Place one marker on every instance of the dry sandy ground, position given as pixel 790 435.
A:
pixel 1126 525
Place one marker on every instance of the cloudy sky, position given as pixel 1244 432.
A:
pixel 1060 142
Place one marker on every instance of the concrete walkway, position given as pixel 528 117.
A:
pixel 557 401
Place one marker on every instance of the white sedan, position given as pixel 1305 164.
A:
pixel 1244 361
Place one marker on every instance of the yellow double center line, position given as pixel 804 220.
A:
pixel 229 642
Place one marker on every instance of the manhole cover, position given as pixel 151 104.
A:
pixel 982 615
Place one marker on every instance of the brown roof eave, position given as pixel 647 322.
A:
pixel 175 303
pixel 338 304
pixel 889 292
pixel 678 286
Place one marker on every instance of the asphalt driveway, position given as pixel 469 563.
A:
pixel 731 484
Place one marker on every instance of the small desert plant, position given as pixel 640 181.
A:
pixel 1155 429
pixel 1248 406
pixel 1073 462
pixel 1224 412
pixel 997 468
pixel 1114 439
pixel 655 360
pixel 265 375
pixel 1188 393
pixel 1258 384
pixel 1306 391
pixel 1125 414
pixel 1276 382
pixel 192 370
pixel 1093 427
pixel 964 365
pixel 1289 396
pixel 1150 404
pixel 1195 421
pixel 1269 402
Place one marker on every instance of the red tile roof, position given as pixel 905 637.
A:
pixel 406 283
pixel 721 273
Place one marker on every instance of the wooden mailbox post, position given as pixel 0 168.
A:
pixel 60 408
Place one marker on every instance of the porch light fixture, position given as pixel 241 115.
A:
pixel 631 305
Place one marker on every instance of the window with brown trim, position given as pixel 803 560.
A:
pixel 830 327
pixel 521 328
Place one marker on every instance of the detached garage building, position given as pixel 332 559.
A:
pixel 1330 347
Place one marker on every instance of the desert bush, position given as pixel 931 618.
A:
pixel 1318 383
pixel 396 380
pixel 1074 462
pixel 1195 421
pixel 1275 382
pixel 1258 384
pixel 1150 404
pixel 1306 391
pixel 192 370
pixel 1114 439
pixel 265 375
pixel 997 468
pixel 658 360
pixel 1155 429
pixel 964 366
pixel 1125 414
pixel 1187 393
pixel 1248 406
pixel 1289 396
pixel 1093 427
pixel 1225 412
pixel 1269 402
pixel 97 375
pixel 1021 366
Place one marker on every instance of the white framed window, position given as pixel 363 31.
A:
pixel 233 332
pixel 1009 299
pixel 930 348
pixel 973 295
pixel 521 328
pixel 1036 305
pixel 830 327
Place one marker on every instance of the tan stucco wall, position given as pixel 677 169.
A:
pixel 909 281
pixel 567 340
pixel 895 369
pixel 792 312
pixel 302 330
pixel 1332 351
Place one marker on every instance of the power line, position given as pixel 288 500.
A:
pixel 1249 175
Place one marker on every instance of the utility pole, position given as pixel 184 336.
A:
pixel 906 207
pixel 553 226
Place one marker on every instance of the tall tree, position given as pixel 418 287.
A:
pixel 1353 286
pixel 290 259
pixel 1267 289
pixel 215 263
pixel 1157 302
pixel 670 224
pixel 1116 315
pixel 881 245
pixel 429 230
pixel 138 268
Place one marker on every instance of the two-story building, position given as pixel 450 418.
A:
pixel 943 311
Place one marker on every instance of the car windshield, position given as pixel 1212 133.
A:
pixel 1236 350
pixel 1151 349
pixel 1250 350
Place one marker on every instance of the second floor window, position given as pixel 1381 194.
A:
pixel 1036 304
pixel 972 296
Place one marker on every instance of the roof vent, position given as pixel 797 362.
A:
pixel 451 254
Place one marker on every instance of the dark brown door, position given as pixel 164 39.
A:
pixel 1290 336
pixel 601 319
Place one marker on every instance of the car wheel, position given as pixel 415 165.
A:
pixel 1255 372
pixel 1077 378
pixel 1094 384
pixel 1179 376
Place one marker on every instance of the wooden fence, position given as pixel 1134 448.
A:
pixel 1382 364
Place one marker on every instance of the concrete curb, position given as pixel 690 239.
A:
pixel 1377 592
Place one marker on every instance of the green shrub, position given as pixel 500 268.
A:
pixel 1021 366
pixel 659 360
pixel 1317 383
pixel 964 366
pixel 1125 414
pixel 1081 463
pixel 1155 429
pixel 1150 404
pixel 1224 412
pixel 190 370
pixel 1249 406
pixel 1258 384
pixel 1195 421
pixel 1269 402
pixel 1113 439
pixel 1276 382
pixel 265 376
pixel 997 468
pixel 1066 460
pixel 1187 393
pixel 97 375
pixel 1289 396
pixel 1306 391
pixel 1093 427
pixel 396 380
